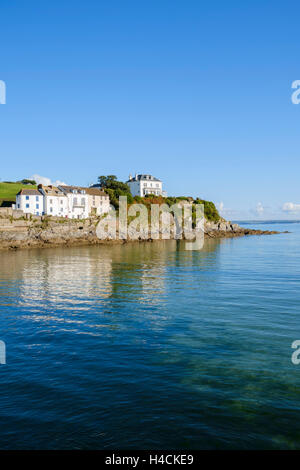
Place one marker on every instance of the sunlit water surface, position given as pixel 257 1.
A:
pixel 151 346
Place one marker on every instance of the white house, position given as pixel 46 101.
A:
pixel 98 201
pixel 141 185
pixel 30 201
pixel 55 201
pixel 78 203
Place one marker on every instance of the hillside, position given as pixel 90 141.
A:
pixel 210 211
pixel 8 192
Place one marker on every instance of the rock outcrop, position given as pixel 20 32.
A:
pixel 19 231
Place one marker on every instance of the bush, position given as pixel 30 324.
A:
pixel 210 210
pixel 115 189
pixel 26 181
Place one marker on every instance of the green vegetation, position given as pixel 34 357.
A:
pixel 26 181
pixel 115 189
pixel 210 211
pixel 8 192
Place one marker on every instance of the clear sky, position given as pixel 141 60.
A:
pixel 197 93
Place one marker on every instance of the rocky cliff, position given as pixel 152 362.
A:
pixel 19 231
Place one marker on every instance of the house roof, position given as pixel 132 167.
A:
pixel 96 192
pixel 51 190
pixel 71 189
pixel 89 191
pixel 143 178
pixel 29 192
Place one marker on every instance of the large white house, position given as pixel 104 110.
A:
pixel 55 201
pixel 141 185
pixel 30 201
pixel 78 203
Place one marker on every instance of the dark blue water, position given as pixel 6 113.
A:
pixel 151 346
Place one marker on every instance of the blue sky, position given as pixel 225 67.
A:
pixel 197 93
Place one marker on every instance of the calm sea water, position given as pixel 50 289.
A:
pixel 151 346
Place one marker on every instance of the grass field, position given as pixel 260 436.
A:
pixel 8 192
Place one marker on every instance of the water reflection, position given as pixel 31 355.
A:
pixel 150 346
pixel 75 277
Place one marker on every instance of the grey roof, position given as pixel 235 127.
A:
pixel 29 192
pixel 143 178
pixel 70 189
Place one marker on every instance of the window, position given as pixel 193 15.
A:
pixel 36 198
pixel 51 201
pixel 82 201
pixel 51 209
pixel 61 201
pixel 18 206
pixel 27 198
pixel 27 206
pixel 37 206
pixel 75 201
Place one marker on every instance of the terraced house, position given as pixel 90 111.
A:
pixel 98 201
pixel 72 202
pixel 78 207
pixel 55 201
pixel 30 201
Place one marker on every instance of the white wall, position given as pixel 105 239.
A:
pixel 78 206
pixel 151 187
pixel 30 204
pixel 140 188
pixel 135 188
pixel 100 203
pixel 56 206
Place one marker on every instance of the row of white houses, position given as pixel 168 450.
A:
pixel 76 202
pixel 72 202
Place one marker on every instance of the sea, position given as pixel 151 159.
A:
pixel 150 346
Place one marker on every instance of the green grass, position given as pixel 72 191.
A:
pixel 8 191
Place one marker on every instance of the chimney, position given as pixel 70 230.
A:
pixel 130 177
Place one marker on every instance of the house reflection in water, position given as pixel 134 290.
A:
pixel 61 284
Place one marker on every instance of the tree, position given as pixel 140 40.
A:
pixel 26 181
pixel 107 181
pixel 114 189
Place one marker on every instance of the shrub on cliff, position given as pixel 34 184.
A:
pixel 210 210
pixel 115 189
